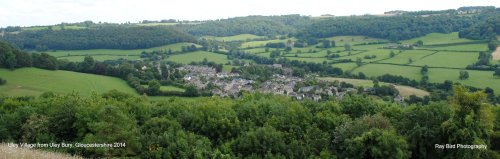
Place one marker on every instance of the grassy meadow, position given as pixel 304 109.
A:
pixel 33 82
pixel 113 54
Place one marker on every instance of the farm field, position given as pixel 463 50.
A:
pixel 263 43
pixel 33 82
pixel 405 91
pixel 112 52
pixel 380 54
pixel 198 56
pixel 480 79
pixel 438 38
pixel 403 57
pixel 341 40
pixel 345 66
pixel 465 47
pixel 168 88
pixel 241 37
pixel 449 59
pixel 374 70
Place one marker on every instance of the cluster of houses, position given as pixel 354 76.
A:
pixel 231 84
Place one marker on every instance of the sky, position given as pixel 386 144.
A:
pixel 49 12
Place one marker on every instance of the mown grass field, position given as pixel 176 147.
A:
pixel 241 37
pixel 438 38
pixel 107 54
pixel 403 57
pixel 375 70
pixel 465 47
pixel 403 90
pixel 33 82
pixel 263 43
pixel 449 59
pixel 341 40
pixel 169 88
pixel 479 79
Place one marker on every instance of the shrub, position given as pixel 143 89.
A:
pixel 2 81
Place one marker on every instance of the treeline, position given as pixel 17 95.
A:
pixel 258 25
pixel 12 58
pixel 100 37
pixel 487 28
pixel 393 28
pixel 254 126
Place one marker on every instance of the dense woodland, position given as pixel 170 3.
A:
pixel 101 37
pixel 254 126
pixel 392 28
pixel 258 25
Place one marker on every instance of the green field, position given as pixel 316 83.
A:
pixel 465 47
pixel 479 79
pixel 448 59
pixel 403 58
pixel 403 90
pixel 198 56
pixel 263 43
pixel 341 40
pixel 169 88
pixel 345 66
pixel 33 82
pixel 241 37
pixel 438 38
pixel 374 70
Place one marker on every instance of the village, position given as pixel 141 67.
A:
pixel 225 84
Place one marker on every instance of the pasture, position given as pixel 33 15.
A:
pixel 33 82
pixel 253 44
pixel 352 40
pixel 169 88
pixel 405 91
pixel 464 47
pixel 403 57
pixel 479 79
pixel 375 70
pixel 114 52
pixel 438 38
pixel 449 59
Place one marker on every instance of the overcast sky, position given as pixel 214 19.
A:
pixel 48 12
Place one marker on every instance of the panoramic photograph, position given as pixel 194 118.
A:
pixel 224 79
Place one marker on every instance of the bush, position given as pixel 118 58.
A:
pixel 2 81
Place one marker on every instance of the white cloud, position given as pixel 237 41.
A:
pixel 45 12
